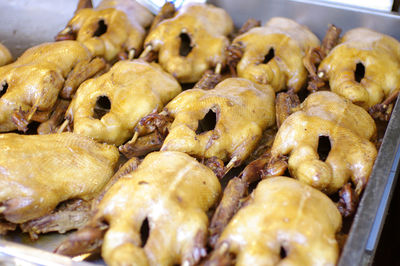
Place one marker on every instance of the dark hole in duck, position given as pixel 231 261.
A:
pixel 324 147
pixel 185 47
pixel 101 28
pixel 268 57
pixel 3 88
pixel 360 72
pixel 102 107
pixel 144 231
pixel 207 123
pixel 282 253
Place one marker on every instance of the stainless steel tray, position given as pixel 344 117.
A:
pixel 28 22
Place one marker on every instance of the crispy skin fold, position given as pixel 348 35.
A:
pixel 243 109
pixel 172 191
pixel 380 56
pixel 134 88
pixel 349 129
pixel 288 41
pixel 37 172
pixel 113 27
pixel 206 26
pixel 33 82
pixel 285 222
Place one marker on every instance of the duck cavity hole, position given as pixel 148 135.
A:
pixel 282 253
pixel 207 123
pixel 185 48
pixel 3 88
pixel 102 107
pixel 359 73
pixel 268 57
pixel 144 232
pixel 324 147
pixel 101 28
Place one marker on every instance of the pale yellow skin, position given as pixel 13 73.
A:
pixel 245 110
pixel 5 55
pixel 379 53
pixel 349 129
pixel 283 212
pixel 37 77
pixel 126 21
pixel 290 42
pixel 207 27
pixel 173 191
pixel 134 88
pixel 39 171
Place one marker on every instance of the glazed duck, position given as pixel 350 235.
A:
pixel 40 172
pixel 113 27
pixel 169 192
pixel 225 122
pixel 192 41
pixel 273 54
pixel 129 91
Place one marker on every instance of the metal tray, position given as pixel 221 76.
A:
pixel 29 22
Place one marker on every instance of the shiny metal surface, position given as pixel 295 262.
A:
pixel 29 22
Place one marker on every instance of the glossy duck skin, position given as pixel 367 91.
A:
pixel 349 129
pixel 380 56
pixel 282 214
pixel 37 172
pixel 243 110
pixel 173 192
pixel 34 81
pixel 289 42
pixel 134 88
pixel 207 27
pixel 113 27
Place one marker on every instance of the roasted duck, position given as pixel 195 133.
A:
pixel 5 55
pixel 39 172
pixel 326 143
pixel 191 42
pixel 30 85
pixel 364 67
pixel 284 222
pixel 128 92
pixel 113 27
pixel 273 54
pixel 225 122
pixel 170 193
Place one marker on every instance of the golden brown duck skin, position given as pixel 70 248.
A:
pixel 171 192
pixel 273 54
pixel 30 85
pixel 364 67
pixel 134 89
pixel 192 41
pixel 349 155
pixel 242 110
pixel 37 172
pixel 113 27
pixel 285 222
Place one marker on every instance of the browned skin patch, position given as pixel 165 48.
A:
pixel 285 103
pixel 56 118
pixel 248 25
pixel 208 81
pixel 84 70
pixel 167 11
pixel 229 205
pixel 314 57
pixel 72 214
pixel 348 201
